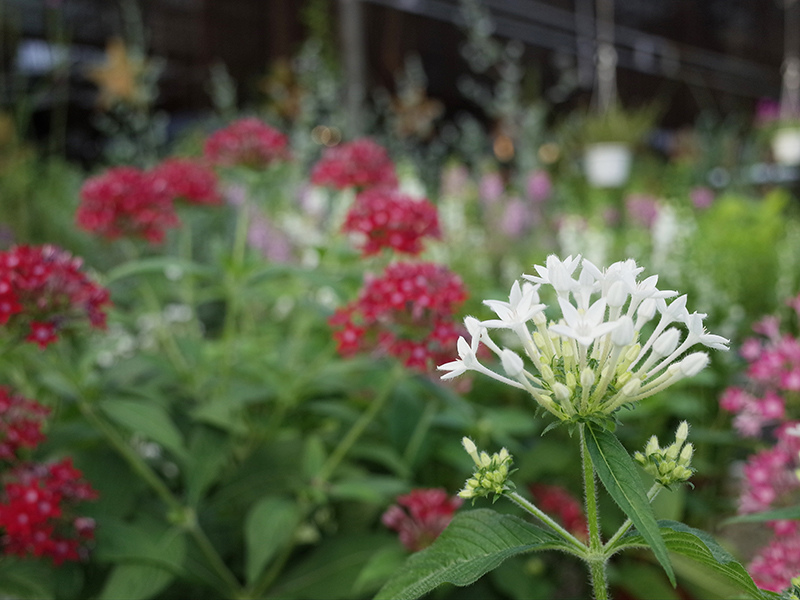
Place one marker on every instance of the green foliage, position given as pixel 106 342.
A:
pixel 734 252
pixel 475 542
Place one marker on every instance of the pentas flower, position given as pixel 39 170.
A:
pixel 386 218
pixel 358 164
pixel 21 423
pixel 126 202
pixel 420 516
pixel 769 478
pixel 407 312
pixel 563 506
pixel 775 565
pixel 590 360
pixel 187 181
pixel 37 512
pixel 43 291
pixel 248 142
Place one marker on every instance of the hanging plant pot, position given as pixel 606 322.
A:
pixel 607 164
pixel 786 146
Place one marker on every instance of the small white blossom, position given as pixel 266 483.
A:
pixel 590 360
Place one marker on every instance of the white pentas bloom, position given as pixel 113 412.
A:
pixel 590 359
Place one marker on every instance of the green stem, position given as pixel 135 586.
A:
pixel 597 564
pixel 420 432
pixel 651 495
pixel 580 547
pixel 143 470
pixel 360 425
pixel 133 459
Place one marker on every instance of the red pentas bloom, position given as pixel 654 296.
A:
pixel 20 423
pixel 408 312
pixel 125 201
pixel 420 516
pixel 248 142
pixel 37 512
pixel 386 218
pixel 560 504
pixel 43 290
pixel 188 181
pixel 360 164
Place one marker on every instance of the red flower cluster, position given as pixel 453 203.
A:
pixel 361 163
pixel 249 142
pixel 187 180
pixel 560 504
pixel 20 423
pixel 406 313
pixel 37 511
pixel 420 516
pixel 387 218
pixel 125 201
pixel 42 290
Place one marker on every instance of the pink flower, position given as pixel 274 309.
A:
pixel 775 565
pixel 559 503
pixel 539 186
pixel 408 312
pixel 43 291
pixel 37 512
pixel 248 142
pixel 517 218
pixel 491 187
pixel 643 210
pixel 125 201
pixel 360 164
pixel 701 197
pixel 188 181
pixel 420 516
pixel 387 218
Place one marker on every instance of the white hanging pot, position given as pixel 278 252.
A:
pixel 607 164
pixel 786 146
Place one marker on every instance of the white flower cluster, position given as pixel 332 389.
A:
pixel 589 361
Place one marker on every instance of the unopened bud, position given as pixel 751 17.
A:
pixel 561 392
pixel 622 335
pixel 694 363
pixel 667 342
pixel 617 294
pixel 587 378
pixel 512 363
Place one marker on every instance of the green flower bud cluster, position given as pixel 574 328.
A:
pixel 669 465
pixel 793 592
pixel 491 473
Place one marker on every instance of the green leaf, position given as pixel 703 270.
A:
pixel 270 524
pixel 475 542
pixel 330 571
pixel 382 565
pixel 210 449
pixel 777 514
pixel 702 548
pixel 375 489
pixel 147 558
pixel 156 264
pixel 25 579
pixel 149 419
pixel 621 479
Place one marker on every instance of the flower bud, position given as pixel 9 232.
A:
pixel 561 392
pixel 512 363
pixel 617 294
pixel 623 334
pixel 587 378
pixel 667 342
pixel 693 364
